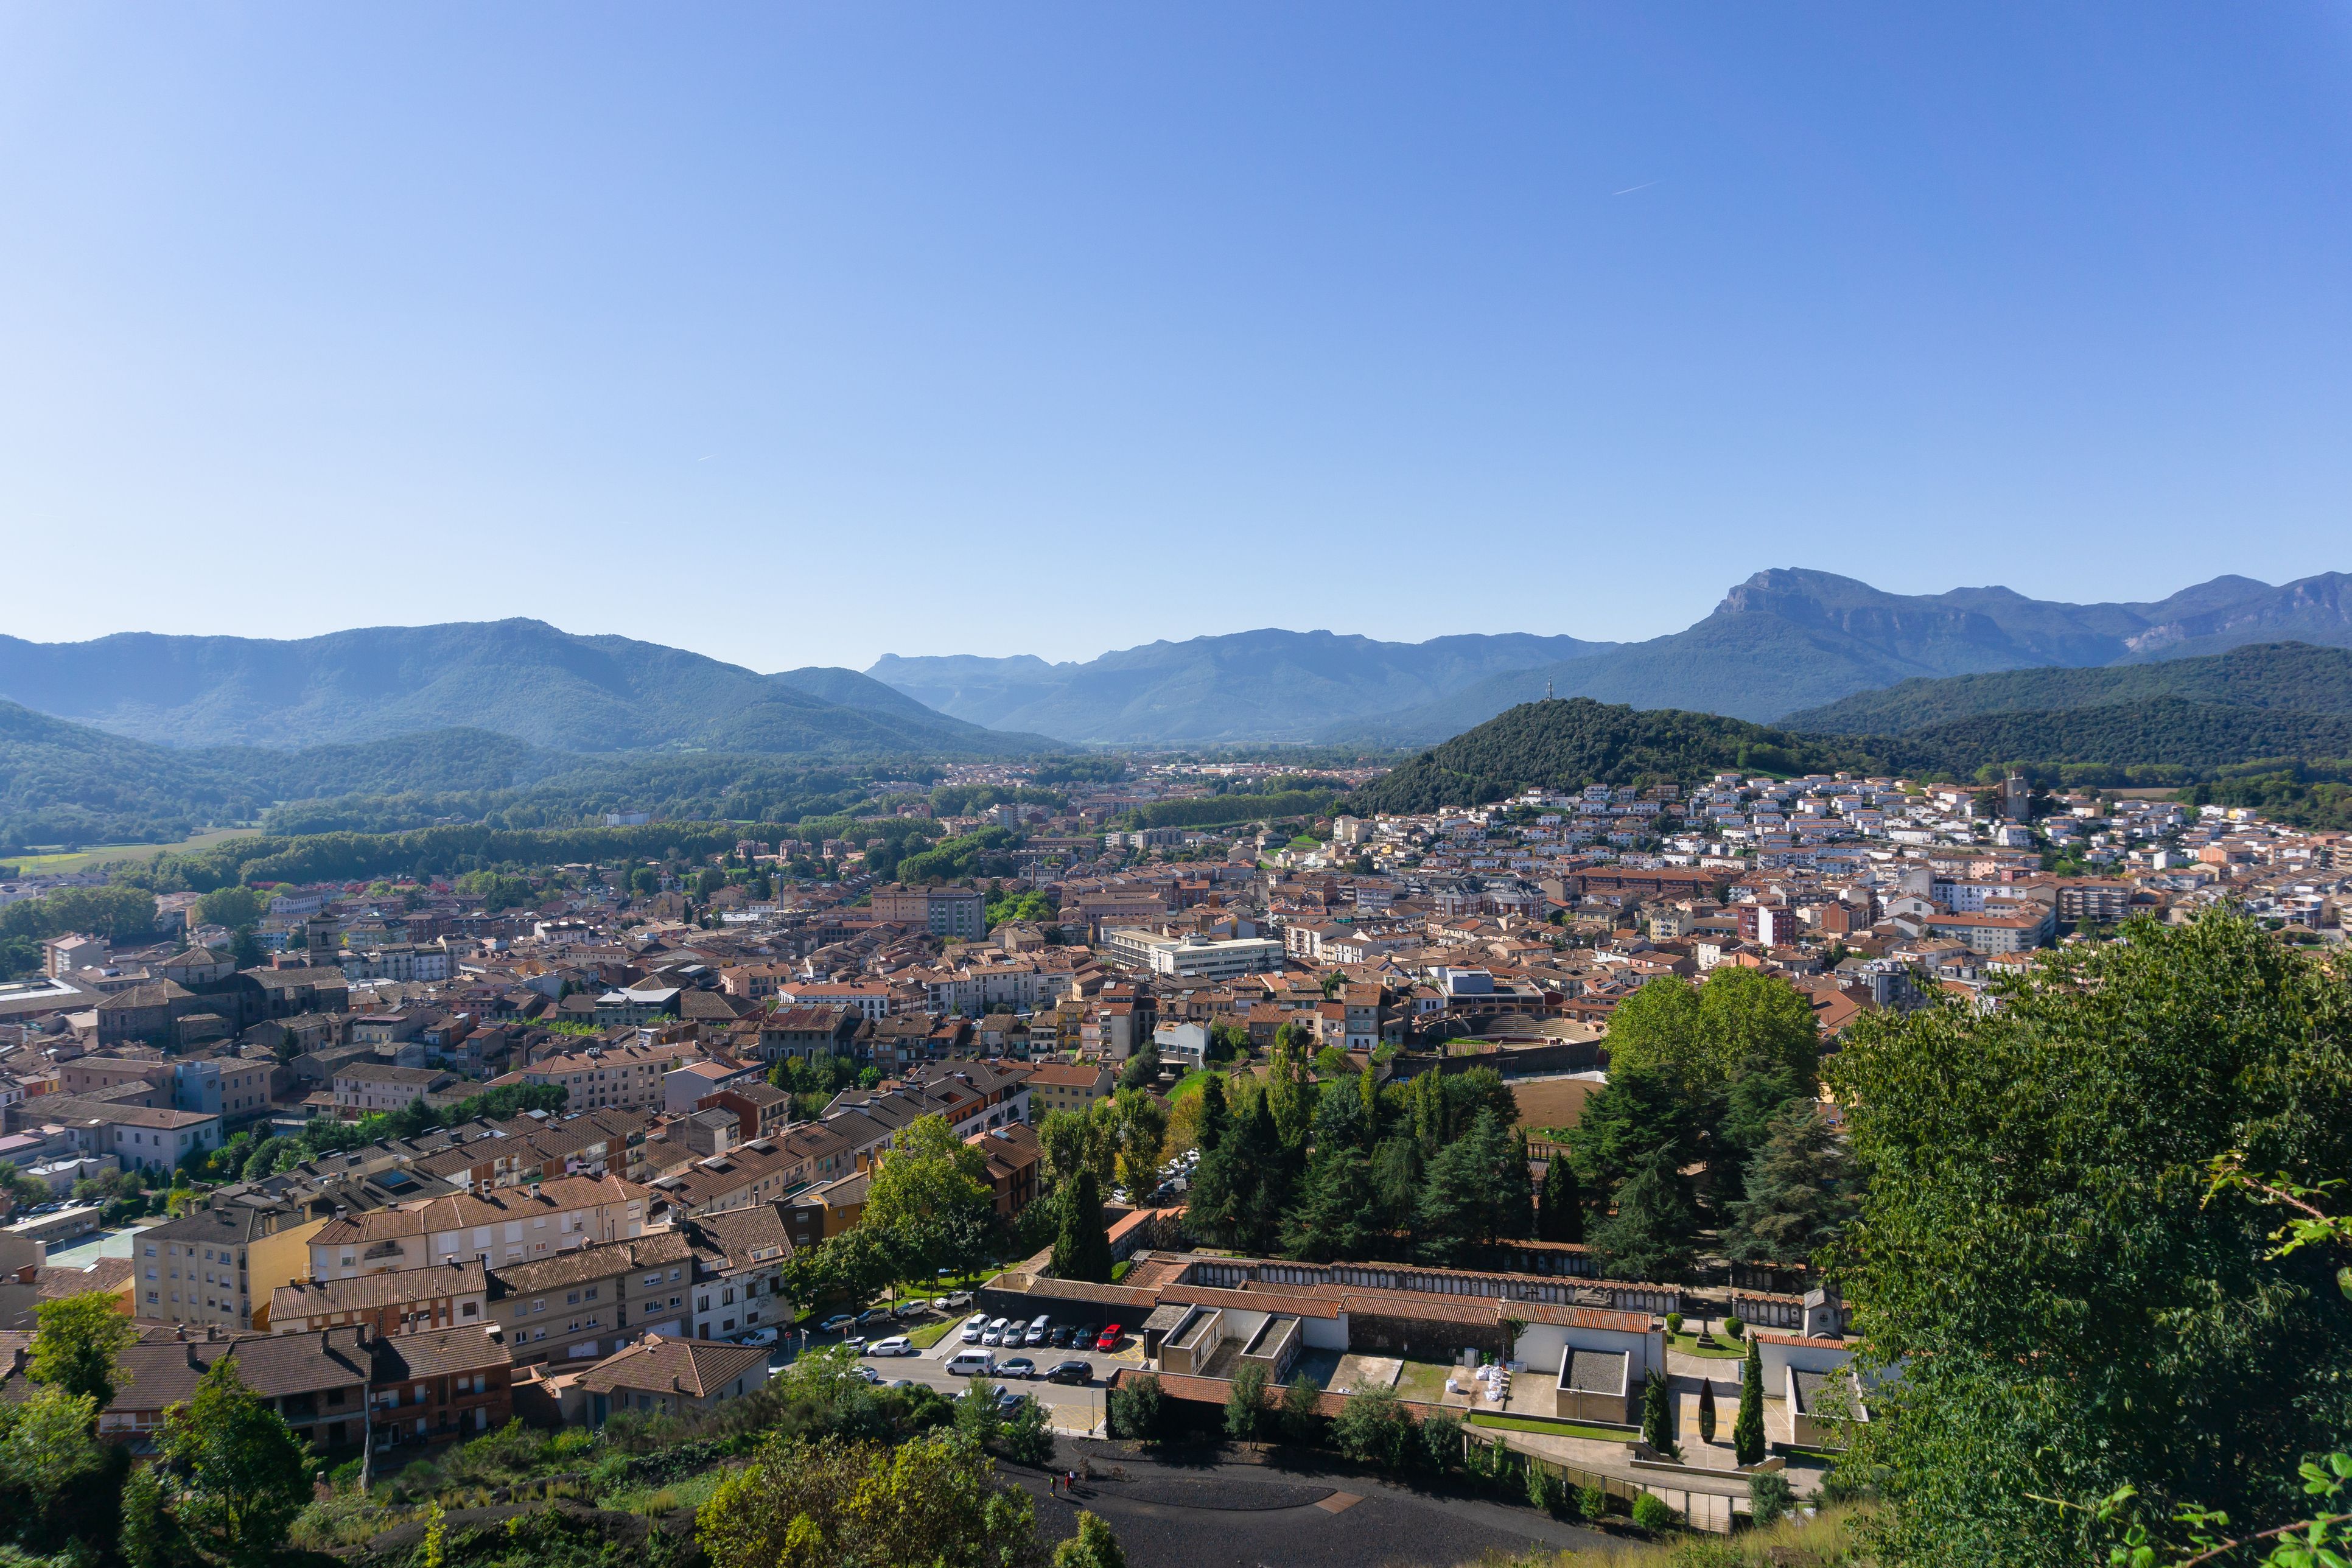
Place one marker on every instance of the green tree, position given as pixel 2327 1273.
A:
pixel 1658 1422
pixel 1644 1113
pixel 244 949
pixel 1476 1192
pixel 1025 1436
pixel 1094 1546
pixel 1073 1140
pixel 1140 1125
pixel 1302 1417
pixel 1747 1427
pixel 1656 1030
pixel 1245 1407
pixel 928 1175
pixel 1081 1250
pixel 1335 1216
pixel 1706 1410
pixel 150 1537
pixel 1142 1067
pixel 241 1468
pixel 1134 1407
pixel 1396 1182
pixel 1755 1024
pixel 1801 1192
pixel 232 907
pixel 48 1449
pixel 77 1345
pixel 1653 1235
pixel 933 1499
pixel 1372 1426
pixel 2038 1247
pixel 1215 1115
pixel 1561 1215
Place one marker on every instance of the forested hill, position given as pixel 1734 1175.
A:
pixel 1569 743
pixel 62 782
pixel 2289 675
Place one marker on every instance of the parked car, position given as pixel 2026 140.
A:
pixel 914 1308
pixel 1019 1366
pixel 1037 1330
pixel 757 1337
pixel 839 1322
pixel 869 1375
pixel 995 1333
pixel 970 1364
pixel 1070 1372
pixel 900 1383
pixel 897 1344
pixel 956 1300
pixel 974 1329
pixel 855 1341
pixel 1060 1336
pixel 1109 1340
pixel 875 1315
pixel 1007 1401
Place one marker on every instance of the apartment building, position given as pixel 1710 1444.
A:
pixel 509 1225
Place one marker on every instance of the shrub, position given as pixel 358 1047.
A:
pixel 1372 1426
pixel 1768 1496
pixel 1135 1408
pixel 1440 1443
pixel 1651 1512
pixel 1025 1436
pixel 1544 1489
pixel 1844 1483
pixel 1733 1328
pixel 1302 1423
pixel 1245 1403
pixel 1673 1322
pixel 1592 1502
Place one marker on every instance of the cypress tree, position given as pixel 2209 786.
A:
pixel 1706 1410
pixel 1657 1412
pixel 1747 1430
pixel 1081 1250
pixel 1214 1118
pixel 1560 1216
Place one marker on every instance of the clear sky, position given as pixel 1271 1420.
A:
pixel 802 334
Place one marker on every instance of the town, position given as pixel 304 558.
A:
pixel 424 1156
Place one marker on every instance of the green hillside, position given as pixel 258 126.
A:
pixel 62 782
pixel 2292 676
pixel 1566 743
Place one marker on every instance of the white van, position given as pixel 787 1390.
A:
pixel 971 1364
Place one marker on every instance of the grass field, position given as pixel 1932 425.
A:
pixel 1721 1350
pixel 53 865
pixel 1552 1428
pixel 1190 1084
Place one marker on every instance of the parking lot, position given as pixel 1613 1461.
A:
pixel 1073 1407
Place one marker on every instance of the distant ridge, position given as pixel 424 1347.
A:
pixel 2292 676
pixel 521 678
pixel 1268 685
pixel 1787 641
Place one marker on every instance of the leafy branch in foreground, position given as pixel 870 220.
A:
pixel 2322 1541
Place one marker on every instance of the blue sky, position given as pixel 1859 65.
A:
pixel 804 333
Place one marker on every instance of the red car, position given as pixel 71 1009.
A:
pixel 1109 1339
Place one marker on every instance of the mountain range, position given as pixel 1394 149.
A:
pixel 521 678
pixel 1244 687
pixel 1784 640
pixel 2278 710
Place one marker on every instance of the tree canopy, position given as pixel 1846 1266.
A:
pixel 2072 1308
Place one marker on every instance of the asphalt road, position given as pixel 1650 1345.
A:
pixel 1187 1513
